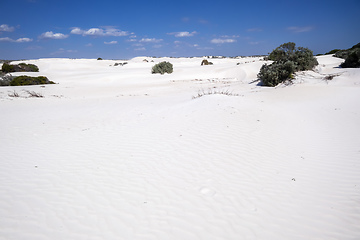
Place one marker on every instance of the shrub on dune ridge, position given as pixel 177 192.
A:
pixel 162 67
pixel 27 80
pixel 287 60
pixel 353 60
pixel 21 67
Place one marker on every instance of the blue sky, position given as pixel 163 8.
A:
pixel 120 29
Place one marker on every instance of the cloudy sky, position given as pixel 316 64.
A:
pixel 124 29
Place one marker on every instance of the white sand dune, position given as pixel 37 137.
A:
pixel 120 153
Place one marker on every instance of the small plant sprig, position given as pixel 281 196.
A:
pixel 14 94
pixel 34 94
pixel 211 91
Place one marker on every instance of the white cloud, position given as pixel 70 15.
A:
pixel 140 49
pixel 300 29
pixel 51 35
pixel 137 45
pixel 183 34
pixel 19 40
pixel 6 28
pixel 111 43
pixel 221 41
pixel 99 32
pixel 150 40
pixel 254 30
pixel 77 30
pixel 157 46
pixel 89 45
pixel 62 50
pixel 6 39
pixel 230 36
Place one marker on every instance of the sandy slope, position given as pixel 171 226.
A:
pixel 119 153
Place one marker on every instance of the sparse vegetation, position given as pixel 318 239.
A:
pixel 212 91
pixel 330 77
pixel 162 67
pixel 288 59
pixel 34 94
pixel 120 64
pixel 27 80
pixel 14 94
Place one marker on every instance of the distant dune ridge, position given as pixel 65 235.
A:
pixel 206 152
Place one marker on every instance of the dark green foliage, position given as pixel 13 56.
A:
pixel 355 46
pixel 275 73
pixel 303 59
pixel 21 67
pixel 345 53
pixel 353 59
pixel 351 56
pixel 287 60
pixel 333 51
pixel 99 59
pixel 282 52
pixel 7 68
pixel 342 54
pixel 27 80
pixel 162 67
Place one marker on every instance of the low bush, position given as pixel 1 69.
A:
pixel 7 68
pixel 287 60
pixel 162 67
pixel 21 67
pixel 345 53
pixel 333 51
pixel 27 80
pixel 275 73
pixel 352 60
pixel 206 62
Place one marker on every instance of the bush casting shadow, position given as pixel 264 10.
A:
pixel 288 59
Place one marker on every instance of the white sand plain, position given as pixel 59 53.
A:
pixel 120 153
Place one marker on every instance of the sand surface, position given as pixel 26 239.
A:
pixel 115 152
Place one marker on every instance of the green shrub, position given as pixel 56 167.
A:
pixel 353 59
pixel 27 80
pixel 7 68
pixel 32 67
pixel 333 51
pixel 162 67
pixel 345 53
pixel 21 67
pixel 287 60
pixel 275 73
